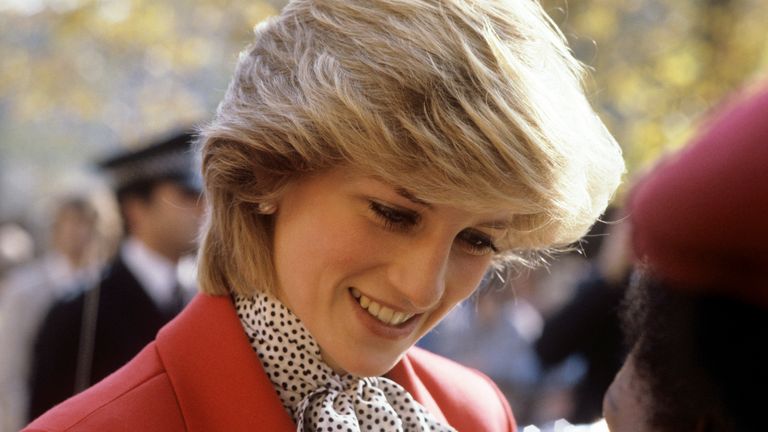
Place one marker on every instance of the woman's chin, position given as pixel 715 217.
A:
pixel 359 365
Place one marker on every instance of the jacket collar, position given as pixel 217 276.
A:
pixel 219 381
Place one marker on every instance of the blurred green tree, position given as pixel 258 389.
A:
pixel 660 65
pixel 79 78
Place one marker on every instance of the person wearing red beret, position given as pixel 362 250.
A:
pixel 697 310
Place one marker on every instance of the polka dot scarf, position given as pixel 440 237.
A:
pixel 315 396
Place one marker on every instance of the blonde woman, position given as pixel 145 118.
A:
pixel 370 162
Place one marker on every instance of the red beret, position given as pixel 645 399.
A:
pixel 700 219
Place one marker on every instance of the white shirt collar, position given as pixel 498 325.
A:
pixel 154 272
pixel 62 277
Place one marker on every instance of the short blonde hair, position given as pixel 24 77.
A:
pixel 472 103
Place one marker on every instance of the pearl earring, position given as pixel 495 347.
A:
pixel 267 208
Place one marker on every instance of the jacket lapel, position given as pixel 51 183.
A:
pixel 219 382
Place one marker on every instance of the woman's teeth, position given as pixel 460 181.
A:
pixel 382 313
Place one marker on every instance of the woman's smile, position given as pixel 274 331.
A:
pixel 385 314
pixel 382 321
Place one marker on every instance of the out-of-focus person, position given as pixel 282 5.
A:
pixel 88 336
pixel 77 247
pixel 697 309
pixel 492 332
pixel 495 332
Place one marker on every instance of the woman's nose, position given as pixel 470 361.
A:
pixel 419 274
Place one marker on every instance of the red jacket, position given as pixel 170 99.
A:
pixel 200 374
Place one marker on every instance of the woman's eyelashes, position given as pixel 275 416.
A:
pixel 395 219
pixel 476 243
pixel 402 220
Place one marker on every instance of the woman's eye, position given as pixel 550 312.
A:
pixel 476 243
pixel 394 219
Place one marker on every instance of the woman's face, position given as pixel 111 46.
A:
pixel 74 231
pixel 369 268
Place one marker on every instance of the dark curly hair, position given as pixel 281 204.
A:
pixel 702 358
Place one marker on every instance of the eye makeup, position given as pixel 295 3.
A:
pixel 394 219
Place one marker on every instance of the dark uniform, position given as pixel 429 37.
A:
pixel 127 320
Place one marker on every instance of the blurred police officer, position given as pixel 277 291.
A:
pixel 88 336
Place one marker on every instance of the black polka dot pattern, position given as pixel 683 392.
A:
pixel 315 396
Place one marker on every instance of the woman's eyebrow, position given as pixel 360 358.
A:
pixel 496 225
pixel 409 196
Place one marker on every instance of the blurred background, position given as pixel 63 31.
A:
pixel 80 79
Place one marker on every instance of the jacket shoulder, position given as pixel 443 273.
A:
pixel 138 396
pixel 467 397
